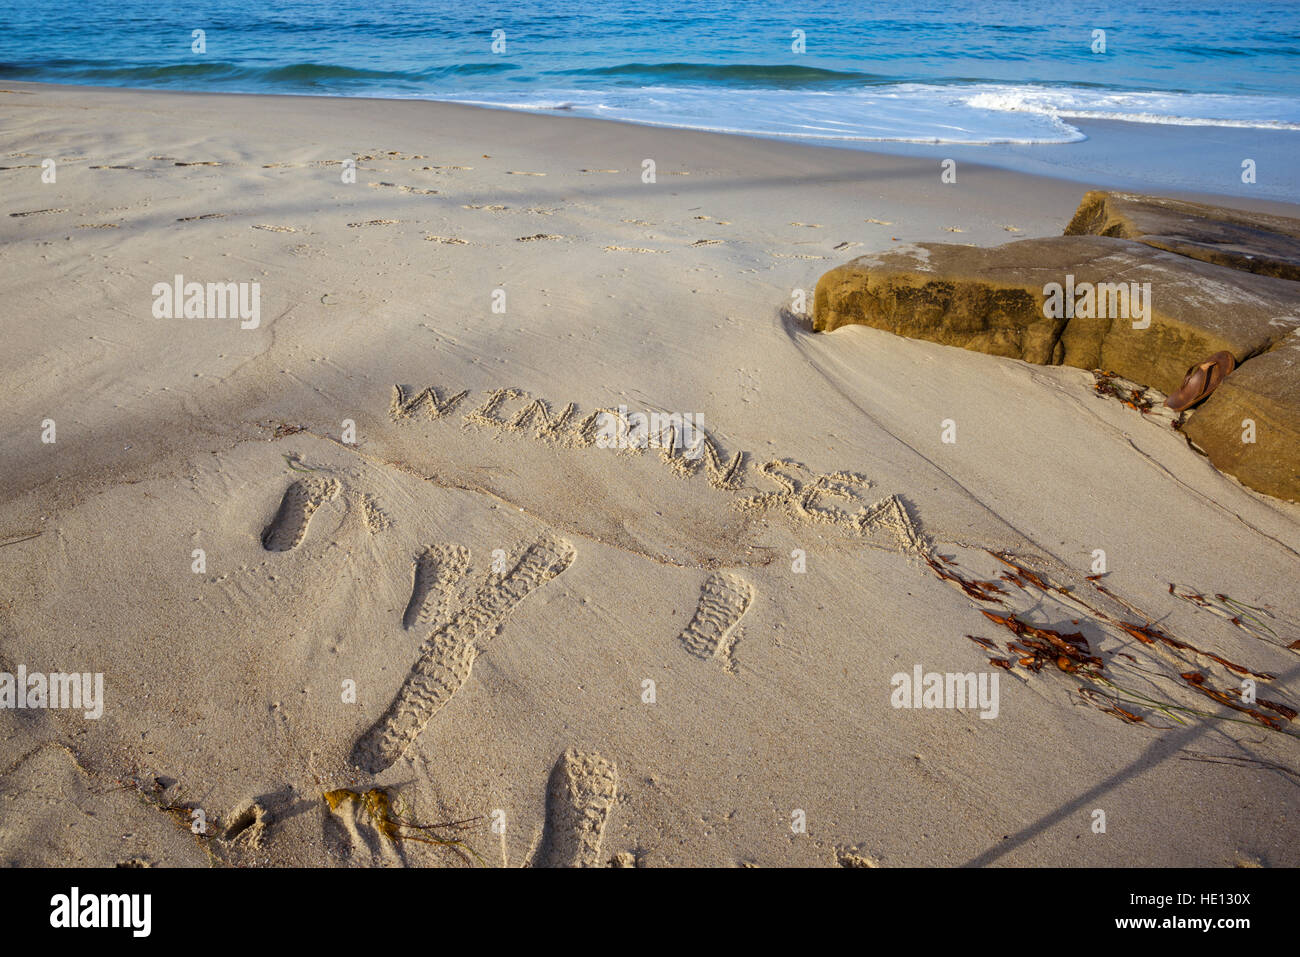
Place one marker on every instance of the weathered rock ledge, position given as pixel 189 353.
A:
pixel 1144 308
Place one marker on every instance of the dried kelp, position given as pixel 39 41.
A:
pixel 378 806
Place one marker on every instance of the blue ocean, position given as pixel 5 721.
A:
pixel 829 71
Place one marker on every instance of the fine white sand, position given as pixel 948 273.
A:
pixel 224 688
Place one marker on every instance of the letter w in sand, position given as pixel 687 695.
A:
pixel 403 405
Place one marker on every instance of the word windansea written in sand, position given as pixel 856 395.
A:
pixel 800 493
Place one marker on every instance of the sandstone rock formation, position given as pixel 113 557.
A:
pixel 998 300
pixel 1253 242
pixel 1142 286
pixel 1260 401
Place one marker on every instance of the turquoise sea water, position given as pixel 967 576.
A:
pixel 1006 71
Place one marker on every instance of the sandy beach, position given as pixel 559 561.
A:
pixel 364 538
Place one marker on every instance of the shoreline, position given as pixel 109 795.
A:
pixel 1212 178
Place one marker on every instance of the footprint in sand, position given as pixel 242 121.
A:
pixel 724 599
pixel 275 229
pixel 448 240
pixel 97 225
pixel 493 209
pixel 447 655
pixel 300 501
pixel 38 212
pixel 879 222
pixel 632 249
pixel 190 219
pixel 437 569
pixel 199 163
pixel 599 171
pixel 520 172
pixel 854 856
pixel 847 245
pixel 579 796
pixel 375 222
pixel 404 189
pixel 529 239
pixel 248 827
pixel 808 225
pixel 707 242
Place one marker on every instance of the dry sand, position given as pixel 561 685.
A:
pixel 553 579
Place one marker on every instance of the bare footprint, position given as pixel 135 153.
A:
pixel 375 222
pixel 529 239
pixel 275 229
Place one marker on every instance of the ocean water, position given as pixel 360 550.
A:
pixel 870 71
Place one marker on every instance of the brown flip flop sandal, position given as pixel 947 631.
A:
pixel 1201 379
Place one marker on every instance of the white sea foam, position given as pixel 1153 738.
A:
pixel 971 114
